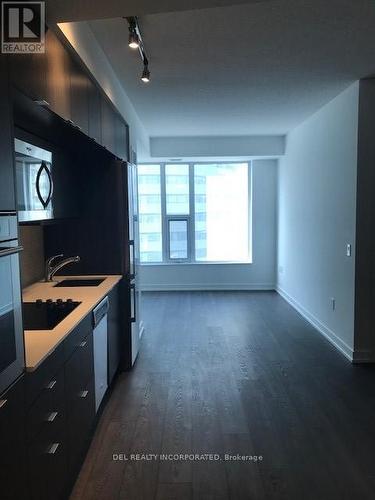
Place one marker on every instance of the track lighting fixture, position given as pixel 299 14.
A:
pixel 135 42
pixel 145 74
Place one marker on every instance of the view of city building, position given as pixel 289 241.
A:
pixel 185 211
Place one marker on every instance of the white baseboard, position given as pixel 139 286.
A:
pixel 321 327
pixel 175 287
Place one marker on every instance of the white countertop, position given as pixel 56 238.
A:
pixel 40 343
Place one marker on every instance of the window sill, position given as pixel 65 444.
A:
pixel 150 264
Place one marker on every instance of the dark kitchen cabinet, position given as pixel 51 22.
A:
pixel 47 449
pixel 95 113
pixel 121 139
pixel 80 396
pixel 48 463
pixel 58 76
pixel 28 74
pixel 7 186
pixel 79 96
pixel 67 185
pixel 79 425
pixel 13 443
pixel 108 125
pixel 114 334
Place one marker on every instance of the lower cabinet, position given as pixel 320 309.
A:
pixel 47 443
pixel 12 443
pixel 80 401
pixel 60 415
pixel 48 461
pixel 47 416
pixel 80 419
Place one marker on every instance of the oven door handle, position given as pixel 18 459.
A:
pixel 44 168
pixel 10 251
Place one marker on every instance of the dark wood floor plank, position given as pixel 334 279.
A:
pixel 234 373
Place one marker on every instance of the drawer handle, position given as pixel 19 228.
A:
pixel 3 402
pixel 51 385
pixel 51 417
pixel 83 394
pixel 83 344
pixel 53 448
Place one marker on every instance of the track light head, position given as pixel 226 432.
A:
pixel 145 74
pixel 133 39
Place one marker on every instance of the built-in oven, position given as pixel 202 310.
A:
pixel 34 182
pixel 12 357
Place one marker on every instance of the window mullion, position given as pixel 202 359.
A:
pixel 192 213
pixel 164 222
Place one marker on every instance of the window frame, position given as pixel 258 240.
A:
pixel 191 219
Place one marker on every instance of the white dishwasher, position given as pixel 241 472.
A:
pixel 100 321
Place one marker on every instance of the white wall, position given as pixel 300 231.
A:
pixel 317 217
pixel 261 274
pixel 240 146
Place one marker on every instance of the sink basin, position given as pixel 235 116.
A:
pixel 79 282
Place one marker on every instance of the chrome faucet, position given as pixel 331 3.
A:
pixel 50 270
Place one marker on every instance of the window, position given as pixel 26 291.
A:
pixel 150 225
pixel 194 212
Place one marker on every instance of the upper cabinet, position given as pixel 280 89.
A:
pixel 95 113
pixel 58 69
pixel 28 74
pixel 108 125
pixel 79 96
pixel 121 139
pixel 7 187
pixel 60 81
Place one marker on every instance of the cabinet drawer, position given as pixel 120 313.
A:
pixel 39 379
pixel 77 336
pixel 48 407
pixel 79 369
pixel 48 462
pixel 80 418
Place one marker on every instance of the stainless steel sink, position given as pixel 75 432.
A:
pixel 68 283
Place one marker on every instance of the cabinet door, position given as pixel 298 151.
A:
pixel 66 182
pixel 108 125
pixel 12 443
pixel 79 97
pixel 57 76
pixel 80 420
pixel 95 113
pixel 48 465
pixel 7 186
pixel 121 138
pixel 28 74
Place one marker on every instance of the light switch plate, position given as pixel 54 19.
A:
pixel 348 250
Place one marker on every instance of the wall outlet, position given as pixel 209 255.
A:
pixel 348 250
pixel 333 303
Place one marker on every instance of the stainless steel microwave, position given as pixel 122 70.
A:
pixel 34 182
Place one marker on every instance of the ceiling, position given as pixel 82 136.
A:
pixel 59 11
pixel 256 68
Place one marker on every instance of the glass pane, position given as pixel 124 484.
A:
pixel 178 240
pixel 149 199
pixel 177 189
pixel 221 212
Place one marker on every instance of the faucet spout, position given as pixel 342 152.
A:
pixel 52 270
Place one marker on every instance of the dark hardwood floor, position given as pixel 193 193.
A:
pixel 236 373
